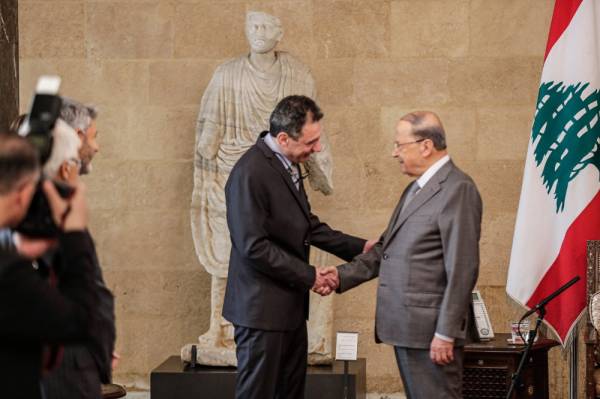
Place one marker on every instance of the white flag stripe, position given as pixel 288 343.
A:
pixel 533 248
pixel 574 57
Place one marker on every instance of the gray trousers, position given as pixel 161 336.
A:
pixel 424 379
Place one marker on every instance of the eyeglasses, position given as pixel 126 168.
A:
pixel 400 145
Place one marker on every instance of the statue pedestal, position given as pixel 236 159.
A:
pixel 174 380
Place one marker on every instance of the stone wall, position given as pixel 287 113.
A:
pixel 145 63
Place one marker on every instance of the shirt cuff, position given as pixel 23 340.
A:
pixel 444 338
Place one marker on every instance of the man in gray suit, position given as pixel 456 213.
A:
pixel 427 260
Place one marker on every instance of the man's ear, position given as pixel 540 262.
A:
pixel 81 135
pixel 427 147
pixel 280 36
pixel 63 171
pixel 22 194
pixel 282 139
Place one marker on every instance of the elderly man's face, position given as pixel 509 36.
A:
pixel 89 147
pixel 263 35
pixel 408 150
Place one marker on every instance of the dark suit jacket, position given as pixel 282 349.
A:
pixel 272 229
pixel 427 261
pixel 88 364
pixel 32 313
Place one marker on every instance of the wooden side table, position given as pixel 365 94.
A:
pixel 488 368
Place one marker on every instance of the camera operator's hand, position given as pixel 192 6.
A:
pixel 32 248
pixel 69 214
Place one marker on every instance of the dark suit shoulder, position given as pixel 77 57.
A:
pixel 252 165
pixel 10 262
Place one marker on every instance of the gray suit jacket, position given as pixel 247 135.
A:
pixel 427 261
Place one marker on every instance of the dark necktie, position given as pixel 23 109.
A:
pixel 295 172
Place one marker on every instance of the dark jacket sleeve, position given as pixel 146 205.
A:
pixel 333 241
pixel 30 309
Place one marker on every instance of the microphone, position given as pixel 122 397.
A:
pixel 550 297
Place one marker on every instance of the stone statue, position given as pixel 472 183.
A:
pixel 234 109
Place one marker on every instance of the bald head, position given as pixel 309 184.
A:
pixel 427 125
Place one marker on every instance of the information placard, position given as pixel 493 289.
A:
pixel 346 346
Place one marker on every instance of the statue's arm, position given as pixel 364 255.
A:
pixel 210 124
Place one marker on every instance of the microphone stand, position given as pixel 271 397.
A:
pixel 540 308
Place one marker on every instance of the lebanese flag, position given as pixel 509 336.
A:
pixel 559 209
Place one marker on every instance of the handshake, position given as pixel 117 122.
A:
pixel 327 280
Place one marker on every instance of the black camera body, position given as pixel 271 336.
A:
pixel 37 128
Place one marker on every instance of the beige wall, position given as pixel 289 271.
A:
pixel 145 63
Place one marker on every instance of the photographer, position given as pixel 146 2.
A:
pixel 86 365
pixel 33 312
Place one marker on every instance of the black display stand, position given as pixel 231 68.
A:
pixel 173 380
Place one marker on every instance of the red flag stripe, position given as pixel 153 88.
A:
pixel 570 262
pixel 563 13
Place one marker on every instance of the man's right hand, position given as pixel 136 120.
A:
pixel 69 214
pixel 32 248
pixel 326 281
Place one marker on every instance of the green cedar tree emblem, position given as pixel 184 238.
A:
pixel 565 135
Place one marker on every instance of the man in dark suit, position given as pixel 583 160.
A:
pixel 272 229
pixel 86 365
pixel 427 260
pixel 33 312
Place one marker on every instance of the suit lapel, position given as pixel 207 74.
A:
pixel 431 188
pixel 394 218
pixel 285 175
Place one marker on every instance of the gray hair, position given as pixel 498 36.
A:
pixel 79 116
pixel 427 125
pixel 65 147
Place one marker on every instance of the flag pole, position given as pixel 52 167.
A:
pixel 573 365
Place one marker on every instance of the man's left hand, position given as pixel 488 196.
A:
pixel 441 352
pixel 368 245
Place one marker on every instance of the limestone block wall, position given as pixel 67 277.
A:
pixel 145 63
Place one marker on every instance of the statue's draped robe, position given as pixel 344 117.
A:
pixel 235 108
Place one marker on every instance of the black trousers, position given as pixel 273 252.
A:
pixel 271 364
pixel 76 377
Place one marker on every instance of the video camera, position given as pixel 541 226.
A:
pixel 37 128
